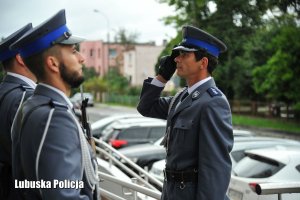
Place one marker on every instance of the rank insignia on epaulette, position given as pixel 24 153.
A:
pixel 195 95
pixel 214 92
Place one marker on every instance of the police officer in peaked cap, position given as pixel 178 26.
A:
pixel 198 136
pixel 48 142
pixel 17 85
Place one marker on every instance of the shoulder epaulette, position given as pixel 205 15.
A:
pixel 25 87
pixel 57 104
pixel 214 92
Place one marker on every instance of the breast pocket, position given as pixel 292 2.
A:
pixel 183 132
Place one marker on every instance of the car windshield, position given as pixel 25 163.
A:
pixel 253 166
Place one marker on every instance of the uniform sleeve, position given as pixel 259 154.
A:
pixel 215 144
pixel 151 104
pixel 60 157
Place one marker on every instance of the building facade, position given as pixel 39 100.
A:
pixel 139 63
pixel 102 56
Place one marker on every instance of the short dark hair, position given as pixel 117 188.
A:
pixel 8 63
pixel 36 62
pixel 212 60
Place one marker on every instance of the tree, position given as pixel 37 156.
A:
pixel 115 82
pixel 235 23
pixel 278 78
pixel 89 72
pixel 125 37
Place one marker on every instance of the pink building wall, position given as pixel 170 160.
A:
pixel 96 55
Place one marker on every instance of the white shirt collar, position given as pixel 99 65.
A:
pixel 30 82
pixel 60 93
pixel 196 85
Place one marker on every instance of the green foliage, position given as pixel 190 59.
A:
pixel 89 72
pixel 278 78
pixel 134 91
pixel 240 24
pixel 274 124
pixel 116 83
pixel 123 36
pixel 95 84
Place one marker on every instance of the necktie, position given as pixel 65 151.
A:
pixel 186 93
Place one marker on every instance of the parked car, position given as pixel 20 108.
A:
pixel 98 126
pixel 146 154
pixel 241 145
pixel 122 135
pixel 109 128
pixel 157 169
pixel 76 99
pixel 275 164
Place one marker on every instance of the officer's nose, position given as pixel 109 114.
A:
pixel 177 59
pixel 81 57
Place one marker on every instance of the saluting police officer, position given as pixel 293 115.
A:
pixel 48 142
pixel 199 134
pixel 17 86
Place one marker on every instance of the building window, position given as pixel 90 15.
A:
pixel 129 58
pixel 99 55
pixel 91 52
pixel 112 53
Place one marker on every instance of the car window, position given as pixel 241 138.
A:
pixel 238 155
pixel 298 168
pixel 133 133
pixel 253 166
pixel 111 134
pixel 96 132
pixel 156 132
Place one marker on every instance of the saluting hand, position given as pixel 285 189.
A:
pixel 167 65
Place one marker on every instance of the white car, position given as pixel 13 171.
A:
pixel 241 144
pixel 276 164
pixel 157 169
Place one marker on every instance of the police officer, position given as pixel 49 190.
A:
pixel 17 86
pixel 48 142
pixel 199 134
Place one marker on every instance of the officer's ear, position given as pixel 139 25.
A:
pixel 20 60
pixel 203 63
pixel 52 63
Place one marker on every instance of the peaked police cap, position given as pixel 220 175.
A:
pixel 5 52
pixel 195 39
pixel 52 31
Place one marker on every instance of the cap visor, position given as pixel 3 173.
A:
pixel 72 40
pixel 183 48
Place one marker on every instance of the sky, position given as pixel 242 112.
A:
pixel 140 16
